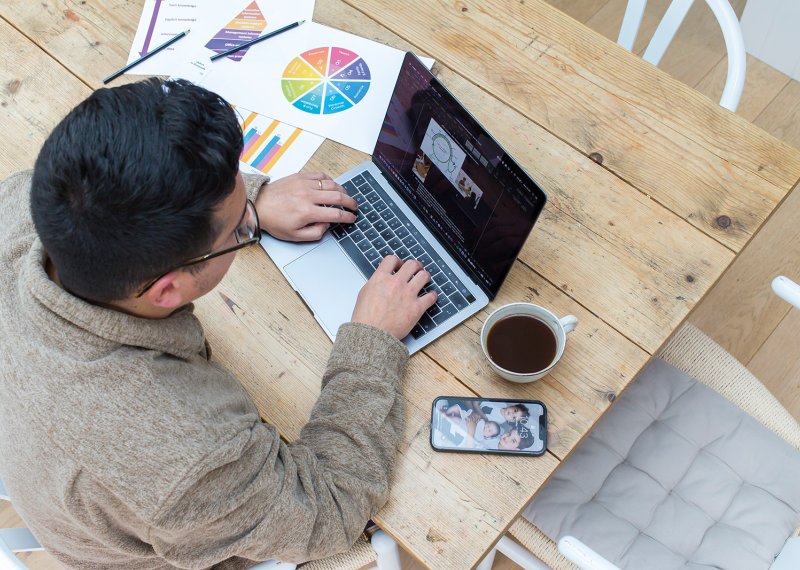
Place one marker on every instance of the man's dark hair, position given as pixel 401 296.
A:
pixel 126 186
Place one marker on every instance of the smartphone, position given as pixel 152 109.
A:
pixel 482 425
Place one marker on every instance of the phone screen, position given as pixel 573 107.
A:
pixel 481 425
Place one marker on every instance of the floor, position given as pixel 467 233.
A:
pixel 771 100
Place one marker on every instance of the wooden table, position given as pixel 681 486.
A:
pixel 653 192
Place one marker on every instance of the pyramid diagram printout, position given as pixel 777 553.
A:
pixel 246 26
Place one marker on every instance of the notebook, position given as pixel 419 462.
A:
pixel 439 189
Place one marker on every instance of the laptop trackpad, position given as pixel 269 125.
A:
pixel 328 282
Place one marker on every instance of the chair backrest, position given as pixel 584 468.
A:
pixel 666 30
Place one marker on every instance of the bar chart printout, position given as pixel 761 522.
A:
pixel 274 148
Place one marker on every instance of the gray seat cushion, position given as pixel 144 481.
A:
pixel 675 476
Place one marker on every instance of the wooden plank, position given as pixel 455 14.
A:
pixel 261 331
pixel 740 312
pixel 777 365
pixel 91 39
pixel 712 168
pixel 35 94
pixel 762 85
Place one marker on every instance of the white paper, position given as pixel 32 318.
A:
pixel 272 147
pixel 215 24
pixel 320 79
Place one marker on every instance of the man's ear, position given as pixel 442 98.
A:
pixel 171 291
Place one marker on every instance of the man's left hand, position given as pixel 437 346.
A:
pixel 295 208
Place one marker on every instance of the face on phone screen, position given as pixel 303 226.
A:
pixel 489 426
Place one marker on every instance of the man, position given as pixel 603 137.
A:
pixel 122 445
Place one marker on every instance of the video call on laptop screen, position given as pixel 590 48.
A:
pixel 465 187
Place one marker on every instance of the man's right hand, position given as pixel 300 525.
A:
pixel 390 299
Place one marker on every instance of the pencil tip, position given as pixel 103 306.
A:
pixel 301 22
pixel 187 32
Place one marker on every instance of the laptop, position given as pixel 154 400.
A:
pixel 438 189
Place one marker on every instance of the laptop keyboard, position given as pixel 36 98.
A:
pixel 381 229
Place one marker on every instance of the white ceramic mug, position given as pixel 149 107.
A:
pixel 559 327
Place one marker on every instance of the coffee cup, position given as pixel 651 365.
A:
pixel 523 342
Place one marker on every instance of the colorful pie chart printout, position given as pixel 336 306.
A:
pixel 326 80
pixel 316 78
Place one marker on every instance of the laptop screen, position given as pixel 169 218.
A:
pixel 466 188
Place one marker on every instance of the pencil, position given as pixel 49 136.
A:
pixel 153 52
pixel 255 41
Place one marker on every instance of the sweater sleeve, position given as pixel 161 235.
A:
pixel 258 498
pixel 253 184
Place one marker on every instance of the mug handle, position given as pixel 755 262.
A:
pixel 569 323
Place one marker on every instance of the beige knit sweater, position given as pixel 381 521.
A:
pixel 123 446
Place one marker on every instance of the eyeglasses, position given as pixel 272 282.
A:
pixel 247 232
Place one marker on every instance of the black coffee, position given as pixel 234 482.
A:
pixel 521 343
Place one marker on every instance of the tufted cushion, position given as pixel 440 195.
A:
pixel 675 476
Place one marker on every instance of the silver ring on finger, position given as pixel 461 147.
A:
pixel 319 182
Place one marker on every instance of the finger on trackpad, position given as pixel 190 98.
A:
pixel 328 282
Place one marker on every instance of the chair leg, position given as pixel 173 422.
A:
pixel 386 549
pixel 520 555
pixel 488 561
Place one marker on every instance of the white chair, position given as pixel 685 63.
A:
pixel 14 540
pixel 695 354
pixel 787 290
pixel 666 30
pixel 380 550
